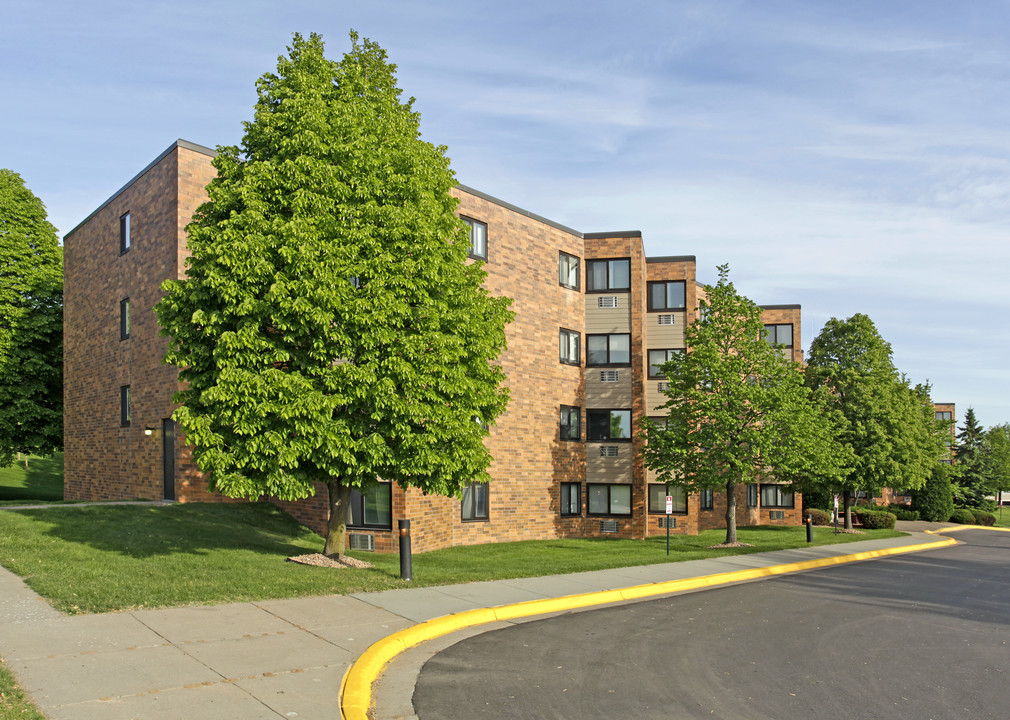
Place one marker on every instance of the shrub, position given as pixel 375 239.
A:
pixel 963 516
pixel 903 512
pixel 983 518
pixel 875 519
pixel 818 517
pixel 934 500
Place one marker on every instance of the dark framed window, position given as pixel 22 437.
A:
pixel 612 349
pixel 608 425
pixel 475 502
pixel 124 318
pixel 124 233
pixel 944 415
pixel 657 498
pixel 570 426
pixel 570 342
pixel 373 509
pixel 781 334
pixel 657 358
pixel 772 496
pixel 568 271
pixel 571 499
pixel 478 238
pixel 752 495
pixel 608 499
pixel 669 295
pixel 707 499
pixel 608 275
pixel 124 405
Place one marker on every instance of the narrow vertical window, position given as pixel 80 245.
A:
pixel 571 499
pixel 707 499
pixel 124 318
pixel 478 238
pixel 570 429
pixel 568 271
pixel 570 342
pixel 475 502
pixel 124 233
pixel 124 405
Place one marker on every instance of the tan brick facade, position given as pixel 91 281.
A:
pixel 106 460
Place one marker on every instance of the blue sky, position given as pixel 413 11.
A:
pixel 850 157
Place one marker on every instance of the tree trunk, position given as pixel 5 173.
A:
pixel 847 508
pixel 336 529
pixel 730 511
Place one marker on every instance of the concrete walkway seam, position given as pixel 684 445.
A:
pixel 356 687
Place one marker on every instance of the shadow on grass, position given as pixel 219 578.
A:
pixel 197 529
pixel 43 480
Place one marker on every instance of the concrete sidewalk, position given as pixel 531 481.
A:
pixel 278 658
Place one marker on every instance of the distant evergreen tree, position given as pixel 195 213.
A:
pixel 934 500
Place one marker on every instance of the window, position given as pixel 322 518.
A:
pixel 657 358
pixel 374 508
pixel 707 498
pixel 778 335
pixel 752 495
pixel 478 238
pixel 570 342
pixel 608 275
pixel 608 349
pixel 124 233
pixel 609 499
pixel 606 425
pixel 570 429
pixel 667 295
pixel 657 498
pixel 773 496
pixel 944 415
pixel 568 271
pixel 124 318
pixel 124 405
pixel 571 499
pixel 474 505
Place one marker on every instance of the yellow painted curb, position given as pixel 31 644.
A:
pixel 356 687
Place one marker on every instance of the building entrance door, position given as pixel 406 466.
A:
pixel 168 456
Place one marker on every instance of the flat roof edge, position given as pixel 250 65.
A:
pixel 180 143
pixel 780 307
pixel 671 258
pixel 615 234
pixel 517 209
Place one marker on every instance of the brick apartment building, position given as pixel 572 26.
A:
pixel 594 316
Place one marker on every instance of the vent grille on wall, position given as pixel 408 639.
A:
pixel 610 375
pixel 777 514
pixel 664 521
pixel 360 541
pixel 665 319
pixel 608 451
pixel 608 526
pixel 662 386
pixel 606 301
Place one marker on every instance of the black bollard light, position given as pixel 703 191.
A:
pixel 810 529
pixel 406 572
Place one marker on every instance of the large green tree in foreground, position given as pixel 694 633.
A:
pixel 738 411
pixel 888 426
pixel 31 325
pixel 329 329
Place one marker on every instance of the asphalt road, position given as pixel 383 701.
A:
pixel 917 637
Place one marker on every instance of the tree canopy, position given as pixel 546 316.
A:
pixel 329 328
pixel 31 324
pixel 888 426
pixel 738 411
pixel 995 459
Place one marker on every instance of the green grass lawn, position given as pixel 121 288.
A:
pixel 43 480
pixel 14 705
pixel 92 559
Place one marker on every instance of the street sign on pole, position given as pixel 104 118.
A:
pixel 669 512
pixel 669 504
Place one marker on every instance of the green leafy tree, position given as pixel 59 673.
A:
pixel 329 329
pixel 995 459
pixel 31 325
pixel 738 411
pixel 888 427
